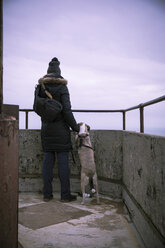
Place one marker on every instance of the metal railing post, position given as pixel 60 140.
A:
pixel 27 119
pixel 141 119
pixel 124 120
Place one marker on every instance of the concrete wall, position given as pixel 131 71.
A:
pixel 129 165
pixel 144 181
pixel 108 156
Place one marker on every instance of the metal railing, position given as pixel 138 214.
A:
pixel 141 107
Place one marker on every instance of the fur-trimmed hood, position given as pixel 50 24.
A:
pixel 50 78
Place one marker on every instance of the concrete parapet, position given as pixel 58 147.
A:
pixel 108 153
pixel 130 166
pixel 144 176
pixel 108 156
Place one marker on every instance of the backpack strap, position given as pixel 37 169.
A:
pixel 46 91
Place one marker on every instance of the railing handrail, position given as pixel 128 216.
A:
pixel 123 111
pixel 83 110
pixel 156 100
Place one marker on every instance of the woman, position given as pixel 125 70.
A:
pixel 56 135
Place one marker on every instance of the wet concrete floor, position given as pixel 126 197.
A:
pixel 71 225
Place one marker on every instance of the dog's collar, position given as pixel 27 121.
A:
pixel 85 146
pixel 83 136
pixel 81 142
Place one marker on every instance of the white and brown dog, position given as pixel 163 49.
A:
pixel 86 155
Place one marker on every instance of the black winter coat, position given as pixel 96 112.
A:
pixel 56 135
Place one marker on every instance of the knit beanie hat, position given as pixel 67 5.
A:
pixel 54 66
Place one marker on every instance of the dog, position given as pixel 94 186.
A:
pixel 86 156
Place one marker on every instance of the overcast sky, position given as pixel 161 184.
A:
pixel 112 53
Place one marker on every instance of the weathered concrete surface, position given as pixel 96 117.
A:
pixel 100 226
pixel 132 161
pixel 30 184
pixel 30 153
pixel 47 214
pixel 31 156
pixel 108 156
pixel 148 233
pixel 144 175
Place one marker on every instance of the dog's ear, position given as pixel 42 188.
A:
pixel 88 128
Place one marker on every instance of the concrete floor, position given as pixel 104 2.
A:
pixel 72 225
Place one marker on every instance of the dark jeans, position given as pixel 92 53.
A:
pixel 63 172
